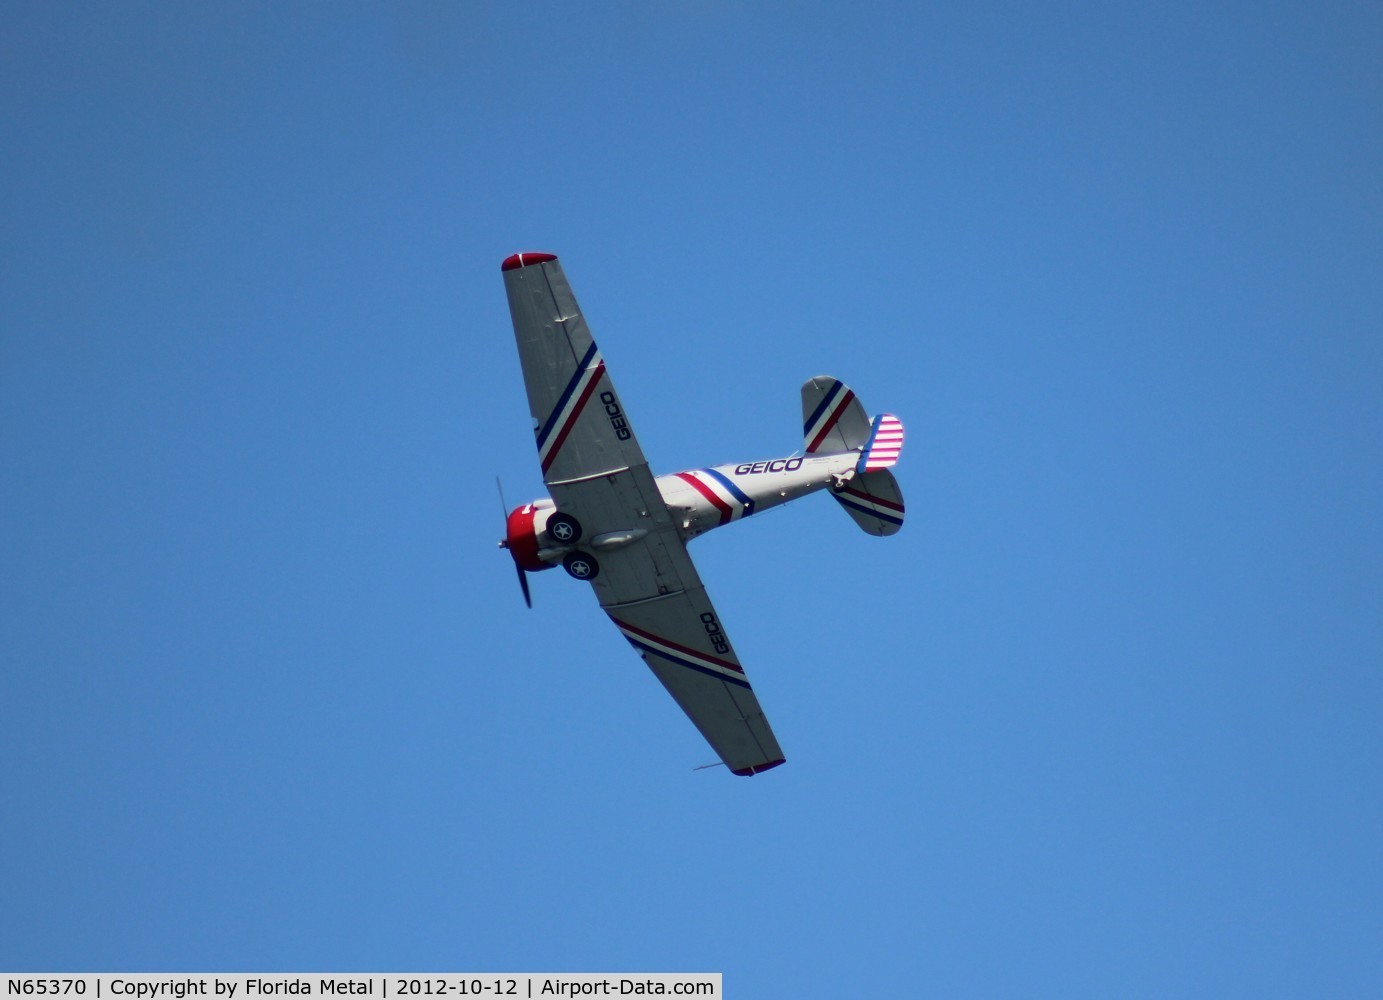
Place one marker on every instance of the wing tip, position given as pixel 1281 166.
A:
pixel 753 769
pixel 526 259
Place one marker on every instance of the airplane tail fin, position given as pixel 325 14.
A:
pixel 884 445
pixel 832 418
pixel 834 421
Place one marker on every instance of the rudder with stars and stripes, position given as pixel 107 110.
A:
pixel 884 445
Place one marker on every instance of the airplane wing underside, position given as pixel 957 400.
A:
pixel 596 472
pixel 680 638
pixel 649 587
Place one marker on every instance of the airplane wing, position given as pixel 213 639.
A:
pixel 577 417
pixel 596 473
pixel 680 638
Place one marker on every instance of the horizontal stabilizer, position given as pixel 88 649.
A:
pixel 874 501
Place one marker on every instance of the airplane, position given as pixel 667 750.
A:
pixel 608 521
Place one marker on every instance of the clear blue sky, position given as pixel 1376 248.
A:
pixel 1105 719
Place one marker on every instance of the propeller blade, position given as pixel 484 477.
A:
pixel 523 577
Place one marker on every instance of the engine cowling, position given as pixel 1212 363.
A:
pixel 524 535
pixel 521 538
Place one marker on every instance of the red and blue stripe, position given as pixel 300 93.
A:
pixel 684 656
pixel 554 432
pixel 826 415
pixel 720 492
pixel 865 503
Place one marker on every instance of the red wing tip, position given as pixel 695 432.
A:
pixel 525 260
pixel 746 772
